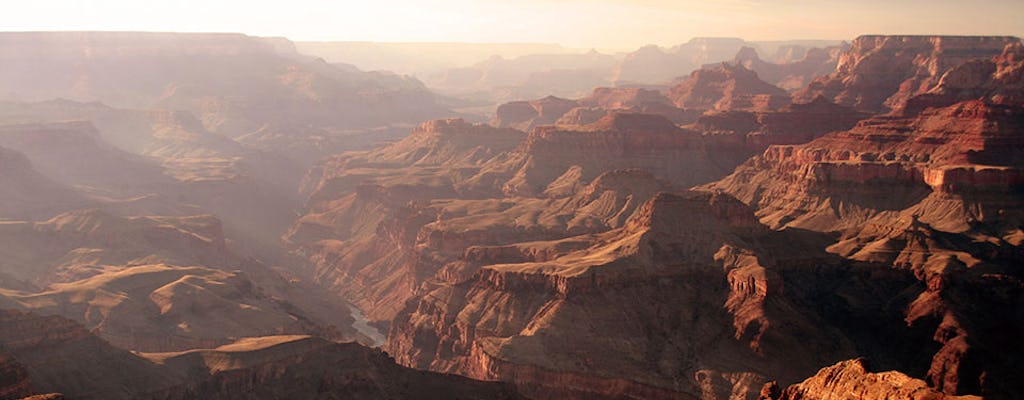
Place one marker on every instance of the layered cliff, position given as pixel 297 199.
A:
pixel 553 154
pixel 939 157
pixel 879 73
pixel 677 303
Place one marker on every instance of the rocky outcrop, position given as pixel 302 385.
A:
pixel 727 87
pixel 880 73
pixel 853 380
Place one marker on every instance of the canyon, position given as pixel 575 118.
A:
pixel 222 216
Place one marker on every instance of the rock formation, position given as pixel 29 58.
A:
pixel 727 87
pixel 852 379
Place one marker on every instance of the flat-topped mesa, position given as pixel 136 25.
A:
pixel 727 87
pixel 880 73
pixel 618 140
pixel 524 115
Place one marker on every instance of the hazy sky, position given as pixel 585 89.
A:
pixel 574 23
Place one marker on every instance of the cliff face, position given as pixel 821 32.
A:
pixel 963 151
pixel 879 73
pixel 666 299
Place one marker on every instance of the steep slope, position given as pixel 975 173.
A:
pixel 879 73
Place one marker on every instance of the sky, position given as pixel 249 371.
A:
pixel 603 24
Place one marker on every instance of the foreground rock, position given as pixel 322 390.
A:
pixel 58 356
pixel 852 380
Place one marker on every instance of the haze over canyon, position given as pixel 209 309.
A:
pixel 236 216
